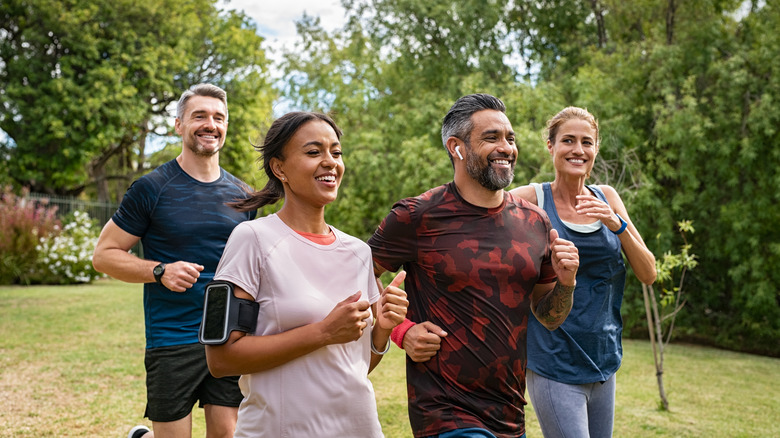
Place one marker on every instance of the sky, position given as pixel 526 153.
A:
pixel 276 19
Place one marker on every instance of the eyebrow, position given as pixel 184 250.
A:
pixel 199 112
pixel 317 143
pixel 495 132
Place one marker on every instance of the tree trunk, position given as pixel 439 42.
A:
pixel 656 340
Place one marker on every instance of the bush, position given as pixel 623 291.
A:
pixel 66 258
pixel 23 223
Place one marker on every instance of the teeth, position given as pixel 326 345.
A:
pixel 329 178
pixel 574 160
pixel 501 161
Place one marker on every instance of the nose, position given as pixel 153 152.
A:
pixel 506 147
pixel 210 123
pixel 329 161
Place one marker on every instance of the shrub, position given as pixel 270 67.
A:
pixel 66 258
pixel 23 223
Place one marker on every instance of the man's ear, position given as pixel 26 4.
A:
pixel 455 148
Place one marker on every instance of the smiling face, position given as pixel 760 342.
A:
pixel 491 152
pixel 312 167
pixel 203 125
pixel 575 148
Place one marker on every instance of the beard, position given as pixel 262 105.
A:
pixel 486 175
pixel 200 151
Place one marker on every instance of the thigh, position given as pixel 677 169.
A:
pixel 601 409
pixel 560 408
pixel 173 375
pixel 220 392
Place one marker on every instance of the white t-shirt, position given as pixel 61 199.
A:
pixel 296 281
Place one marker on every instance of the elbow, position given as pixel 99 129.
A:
pixel 217 368
pixel 649 278
pixel 97 264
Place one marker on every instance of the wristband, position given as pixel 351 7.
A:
pixel 623 225
pixel 377 352
pixel 399 331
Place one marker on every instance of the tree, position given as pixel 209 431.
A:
pixel 87 83
pixel 660 325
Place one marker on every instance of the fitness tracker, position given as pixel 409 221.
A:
pixel 158 272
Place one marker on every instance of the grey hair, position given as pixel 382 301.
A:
pixel 457 122
pixel 206 90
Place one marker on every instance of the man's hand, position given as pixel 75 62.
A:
pixel 392 303
pixel 565 259
pixel 180 276
pixel 423 340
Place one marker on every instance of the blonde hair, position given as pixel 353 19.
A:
pixel 571 113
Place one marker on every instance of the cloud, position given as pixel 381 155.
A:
pixel 276 19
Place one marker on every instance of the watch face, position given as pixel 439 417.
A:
pixel 157 270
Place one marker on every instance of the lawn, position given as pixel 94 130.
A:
pixel 71 365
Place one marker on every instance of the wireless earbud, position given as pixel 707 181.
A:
pixel 457 151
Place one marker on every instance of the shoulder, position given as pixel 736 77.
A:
pixel 432 198
pixel 527 192
pixel 529 211
pixel 609 192
pixel 232 179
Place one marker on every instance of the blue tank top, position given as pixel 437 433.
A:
pixel 587 347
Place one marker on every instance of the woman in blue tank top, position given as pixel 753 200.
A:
pixel 571 371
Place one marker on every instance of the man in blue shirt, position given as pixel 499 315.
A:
pixel 179 214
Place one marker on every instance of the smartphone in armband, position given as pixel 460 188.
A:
pixel 223 312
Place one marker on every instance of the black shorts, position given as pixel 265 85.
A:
pixel 177 377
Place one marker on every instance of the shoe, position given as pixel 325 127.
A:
pixel 138 432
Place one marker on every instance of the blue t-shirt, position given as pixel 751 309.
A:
pixel 587 347
pixel 180 218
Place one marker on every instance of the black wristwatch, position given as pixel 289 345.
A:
pixel 158 272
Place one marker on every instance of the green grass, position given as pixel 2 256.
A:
pixel 71 365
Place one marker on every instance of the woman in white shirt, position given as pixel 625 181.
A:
pixel 323 323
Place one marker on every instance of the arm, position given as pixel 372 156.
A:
pixel 640 258
pixel 420 341
pixel 551 302
pixel 390 311
pixel 243 354
pixel 111 257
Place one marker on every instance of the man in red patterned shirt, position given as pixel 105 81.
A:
pixel 477 261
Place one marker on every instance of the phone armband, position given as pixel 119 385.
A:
pixel 223 313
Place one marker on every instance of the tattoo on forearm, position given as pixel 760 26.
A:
pixel 554 307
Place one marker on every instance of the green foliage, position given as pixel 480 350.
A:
pixel 87 83
pixel 671 269
pixel 66 258
pixel 23 224
pixel 685 93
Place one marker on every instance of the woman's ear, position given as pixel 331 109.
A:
pixel 549 147
pixel 277 168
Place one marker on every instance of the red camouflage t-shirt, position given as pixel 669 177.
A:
pixel 471 271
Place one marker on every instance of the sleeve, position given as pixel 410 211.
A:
pixel 241 260
pixel 395 241
pixel 135 212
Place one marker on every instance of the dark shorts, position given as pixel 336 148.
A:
pixel 177 377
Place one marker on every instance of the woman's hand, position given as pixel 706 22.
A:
pixel 591 206
pixel 392 303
